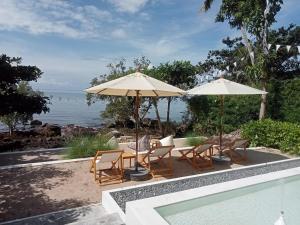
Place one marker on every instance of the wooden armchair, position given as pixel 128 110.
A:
pixel 107 166
pixel 159 161
pixel 231 150
pixel 199 156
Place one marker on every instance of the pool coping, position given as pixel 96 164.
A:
pixel 137 211
pixel 115 200
pixel 34 151
pixel 24 165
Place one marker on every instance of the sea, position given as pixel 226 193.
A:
pixel 72 108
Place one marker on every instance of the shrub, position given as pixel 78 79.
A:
pixel 269 133
pixel 86 146
pixel 193 140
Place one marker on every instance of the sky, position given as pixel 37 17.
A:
pixel 72 41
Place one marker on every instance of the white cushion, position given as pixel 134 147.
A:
pixel 113 142
pixel 167 141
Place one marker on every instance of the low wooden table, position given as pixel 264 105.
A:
pixel 128 155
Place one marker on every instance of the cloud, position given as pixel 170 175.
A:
pixel 52 17
pixel 130 6
pixel 161 49
pixel 119 33
pixel 61 70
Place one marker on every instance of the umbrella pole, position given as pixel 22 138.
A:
pixel 221 121
pixel 136 129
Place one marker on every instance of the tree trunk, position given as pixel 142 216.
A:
pixel 167 128
pixel 248 44
pixel 10 128
pixel 147 110
pixel 263 104
pixel 168 110
pixel 262 111
pixel 158 116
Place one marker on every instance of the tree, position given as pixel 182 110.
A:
pixel 283 79
pixel 18 101
pixel 181 74
pixel 282 64
pixel 122 108
pixel 256 22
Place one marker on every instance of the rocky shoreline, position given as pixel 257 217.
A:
pixel 38 135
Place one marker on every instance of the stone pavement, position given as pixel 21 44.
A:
pixel 87 215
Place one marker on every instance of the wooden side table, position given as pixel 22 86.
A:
pixel 128 155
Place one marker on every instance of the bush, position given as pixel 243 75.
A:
pixel 269 133
pixel 193 140
pixel 87 146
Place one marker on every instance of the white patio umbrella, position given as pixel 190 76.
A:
pixel 222 87
pixel 137 85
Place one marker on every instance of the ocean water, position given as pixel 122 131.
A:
pixel 71 108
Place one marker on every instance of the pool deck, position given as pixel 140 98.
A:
pixel 38 189
pixel 92 214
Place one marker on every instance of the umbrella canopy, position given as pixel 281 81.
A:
pixel 130 84
pixel 137 85
pixel 222 86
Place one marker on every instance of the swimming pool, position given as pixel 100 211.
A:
pixel 254 205
pixel 256 200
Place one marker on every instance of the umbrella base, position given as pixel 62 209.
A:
pixel 140 175
pixel 222 159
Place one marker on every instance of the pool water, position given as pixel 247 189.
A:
pixel 253 205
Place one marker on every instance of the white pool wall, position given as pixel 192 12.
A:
pixel 142 212
pixel 111 205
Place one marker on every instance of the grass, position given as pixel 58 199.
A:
pixel 86 146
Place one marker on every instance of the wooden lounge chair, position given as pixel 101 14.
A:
pixel 107 166
pixel 215 141
pixel 159 161
pixel 199 156
pixel 231 150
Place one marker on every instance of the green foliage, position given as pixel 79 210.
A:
pixel 237 14
pixel 205 112
pixel 266 63
pixel 13 101
pixel 255 72
pixel 282 135
pixel 13 119
pixel 181 74
pixel 118 108
pixel 290 97
pixel 192 140
pixel 87 146
pixel 284 100
pixel 18 100
pixel 178 73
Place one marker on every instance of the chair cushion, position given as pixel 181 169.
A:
pixel 167 141
pixel 143 143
